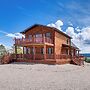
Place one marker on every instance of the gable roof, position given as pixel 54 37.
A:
pixel 35 25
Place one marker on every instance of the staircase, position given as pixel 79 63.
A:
pixel 78 61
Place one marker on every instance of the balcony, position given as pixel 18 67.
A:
pixel 26 41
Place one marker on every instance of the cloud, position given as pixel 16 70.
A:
pixel 81 37
pixel 57 24
pixel 15 35
pixel 11 35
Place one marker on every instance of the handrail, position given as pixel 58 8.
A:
pixel 35 40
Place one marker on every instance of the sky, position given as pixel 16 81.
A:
pixel 70 16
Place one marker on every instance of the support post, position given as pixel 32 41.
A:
pixel 16 52
pixel 78 52
pixel 23 53
pixel 34 52
pixel 44 52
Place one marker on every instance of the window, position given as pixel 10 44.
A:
pixel 38 35
pixel 48 35
pixel 50 50
pixel 30 37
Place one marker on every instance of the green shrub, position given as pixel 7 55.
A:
pixel 87 59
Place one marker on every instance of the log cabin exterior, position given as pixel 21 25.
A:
pixel 43 44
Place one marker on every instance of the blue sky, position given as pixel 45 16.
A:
pixel 16 15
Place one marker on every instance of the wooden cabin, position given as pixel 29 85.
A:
pixel 44 44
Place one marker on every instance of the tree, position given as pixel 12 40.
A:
pixel 2 50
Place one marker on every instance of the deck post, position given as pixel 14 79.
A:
pixel 16 51
pixel 23 49
pixel 44 52
pixel 34 52
pixel 23 53
pixel 78 52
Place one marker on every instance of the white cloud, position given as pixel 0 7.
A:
pixel 12 35
pixel 70 31
pixel 15 35
pixel 80 37
pixel 57 24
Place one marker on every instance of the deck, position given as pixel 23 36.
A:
pixel 34 41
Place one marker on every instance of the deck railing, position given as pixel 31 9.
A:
pixel 40 56
pixel 33 40
pixel 78 60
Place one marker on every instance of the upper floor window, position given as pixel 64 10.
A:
pixel 30 37
pixel 48 35
pixel 38 35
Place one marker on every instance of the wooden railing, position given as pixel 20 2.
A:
pixel 35 40
pixel 49 56
pixel 79 60
pixel 63 56
pixel 40 56
pixel 76 59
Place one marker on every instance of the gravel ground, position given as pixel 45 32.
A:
pixel 26 76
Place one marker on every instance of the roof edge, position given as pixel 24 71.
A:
pixel 23 32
